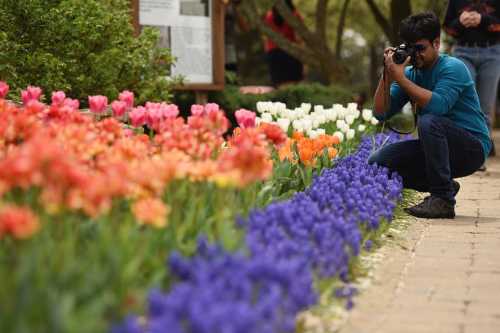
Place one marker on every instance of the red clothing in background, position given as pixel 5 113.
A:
pixel 285 30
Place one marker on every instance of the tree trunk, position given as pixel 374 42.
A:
pixel 399 10
pixel 340 29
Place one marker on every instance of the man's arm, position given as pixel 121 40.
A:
pixel 389 98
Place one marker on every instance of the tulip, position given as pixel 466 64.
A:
pixel 58 97
pixel 138 116
pixel 31 93
pixel 350 134
pixel 245 118
pixel 98 103
pixel 361 128
pixel 72 103
pixel 119 108
pixel 306 107
pixel 266 117
pixel 339 135
pixel 127 97
pixel 4 89
pixel 374 121
pixel 197 110
pixel 367 114
pixel 284 123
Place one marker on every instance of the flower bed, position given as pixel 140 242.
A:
pixel 312 236
pixel 91 205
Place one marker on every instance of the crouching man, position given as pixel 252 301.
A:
pixel 453 139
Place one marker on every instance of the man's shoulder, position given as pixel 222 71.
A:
pixel 448 61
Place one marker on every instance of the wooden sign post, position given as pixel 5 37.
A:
pixel 194 32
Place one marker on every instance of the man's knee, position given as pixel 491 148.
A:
pixel 377 158
pixel 429 123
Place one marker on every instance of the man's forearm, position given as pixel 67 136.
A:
pixel 417 94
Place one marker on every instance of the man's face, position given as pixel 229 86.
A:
pixel 427 52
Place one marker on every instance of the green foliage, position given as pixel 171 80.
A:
pixel 84 47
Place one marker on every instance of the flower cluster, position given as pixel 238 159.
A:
pixel 317 120
pixel 321 225
pixel 221 292
pixel 308 149
pixel 81 163
pixel 287 242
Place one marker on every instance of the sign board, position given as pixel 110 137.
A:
pixel 194 32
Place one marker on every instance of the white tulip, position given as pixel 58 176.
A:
pixel 321 119
pixel 318 108
pixel 367 114
pixel 273 109
pixel 356 114
pixel 315 122
pixel 349 119
pixel 374 121
pixel 312 134
pixel 298 126
pixel 260 107
pixel 308 125
pixel 352 107
pixel 306 107
pixel 350 134
pixel 361 128
pixel 339 135
pixel 345 128
pixel 331 114
pixel 284 123
pixel 266 117
pixel 258 121
pixel 321 131
pixel 280 107
pixel 340 123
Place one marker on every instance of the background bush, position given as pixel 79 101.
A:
pixel 84 47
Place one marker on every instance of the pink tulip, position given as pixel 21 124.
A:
pixel 58 97
pixel 127 97
pixel 72 103
pixel 127 132
pixel 35 106
pixel 170 111
pixel 98 103
pixel 119 108
pixel 245 118
pixel 211 108
pixel 4 89
pixel 153 116
pixel 197 109
pixel 31 93
pixel 138 116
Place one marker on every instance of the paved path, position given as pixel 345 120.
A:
pixel 440 275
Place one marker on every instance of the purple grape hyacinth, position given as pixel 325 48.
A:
pixel 316 231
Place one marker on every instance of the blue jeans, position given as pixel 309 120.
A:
pixel 442 152
pixel 484 65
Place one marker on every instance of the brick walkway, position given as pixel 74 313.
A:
pixel 440 275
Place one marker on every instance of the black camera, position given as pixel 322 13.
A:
pixel 402 52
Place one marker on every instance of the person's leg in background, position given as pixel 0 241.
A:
pixel 488 76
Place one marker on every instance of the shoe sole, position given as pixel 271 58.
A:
pixel 424 216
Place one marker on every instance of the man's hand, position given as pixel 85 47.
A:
pixel 470 19
pixel 395 71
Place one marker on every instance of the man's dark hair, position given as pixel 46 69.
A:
pixel 420 26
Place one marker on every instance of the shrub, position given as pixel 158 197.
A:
pixel 84 47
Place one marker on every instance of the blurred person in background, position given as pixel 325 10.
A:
pixel 283 68
pixel 476 27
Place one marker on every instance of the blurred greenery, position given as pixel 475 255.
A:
pixel 83 47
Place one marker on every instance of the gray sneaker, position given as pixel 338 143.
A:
pixel 433 208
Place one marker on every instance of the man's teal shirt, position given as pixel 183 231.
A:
pixel 453 96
